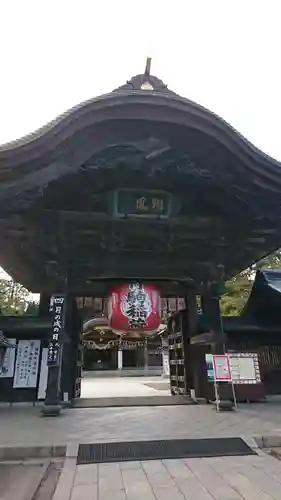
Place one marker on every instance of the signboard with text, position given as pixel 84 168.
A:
pixel 245 368
pixel 142 203
pixel 54 349
pixel 43 379
pixel 222 372
pixel 27 362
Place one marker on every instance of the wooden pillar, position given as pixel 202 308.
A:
pixel 72 352
pixel 52 404
pixel 211 304
pixel 203 304
pixel 190 322
pixel 165 357
pixel 62 324
pixel 211 310
pixel 44 305
pixel 120 359
pixel 2 356
pixel 145 355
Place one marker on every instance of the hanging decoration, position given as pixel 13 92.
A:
pixel 123 344
pixel 134 310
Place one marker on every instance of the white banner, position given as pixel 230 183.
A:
pixel 166 364
pixel 27 364
pixel 43 375
pixel 7 370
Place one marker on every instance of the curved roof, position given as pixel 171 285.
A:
pixel 155 103
pixel 265 297
pixel 223 194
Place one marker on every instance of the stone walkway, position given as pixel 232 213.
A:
pixel 97 387
pixel 24 426
pixel 231 478
pixel 28 480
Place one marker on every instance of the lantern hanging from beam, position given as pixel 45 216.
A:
pixel 134 310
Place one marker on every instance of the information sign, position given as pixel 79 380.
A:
pixel 245 368
pixel 43 375
pixel 27 361
pixel 222 371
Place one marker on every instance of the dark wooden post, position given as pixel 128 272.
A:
pixel 59 304
pixel 189 329
pixel 211 309
pixel 52 405
pixel 71 365
pixel 44 305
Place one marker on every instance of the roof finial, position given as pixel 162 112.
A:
pixel 147 66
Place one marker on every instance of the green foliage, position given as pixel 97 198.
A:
pixel 238 288
pixel 14 298
pixel 237 292
pixel 272 261
pixel 32 309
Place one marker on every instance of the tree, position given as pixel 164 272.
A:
pixel 237 292
pixel 272 261
pixel 239 288
pixel 14 298
pixel 32 309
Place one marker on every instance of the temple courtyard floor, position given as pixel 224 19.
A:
pixel 97 385
pixel 22 425
pixel 188 479
pixel 254 477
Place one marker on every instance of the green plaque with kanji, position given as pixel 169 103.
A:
pixel 142 203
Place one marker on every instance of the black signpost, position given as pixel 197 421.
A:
pixel 52 405
pixel 57 311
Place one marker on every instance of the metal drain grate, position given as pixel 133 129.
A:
pixel 160 450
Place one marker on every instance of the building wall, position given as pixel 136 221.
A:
pixel 133 357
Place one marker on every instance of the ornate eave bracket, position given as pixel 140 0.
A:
pixel 145 82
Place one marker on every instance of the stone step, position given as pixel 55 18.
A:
pixel 21 481
pixel 21 453
pixel 133 401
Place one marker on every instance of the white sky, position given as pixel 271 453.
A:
pixel 223 54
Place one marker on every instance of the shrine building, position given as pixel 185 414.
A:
pixel 141 186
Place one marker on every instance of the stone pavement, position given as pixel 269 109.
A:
pixel 33 479
pixel 23 425
pixel 230 478
pixel 97 387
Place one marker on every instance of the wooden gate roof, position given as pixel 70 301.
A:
pixel 58 188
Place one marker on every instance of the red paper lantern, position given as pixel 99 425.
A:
pixel 134 310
